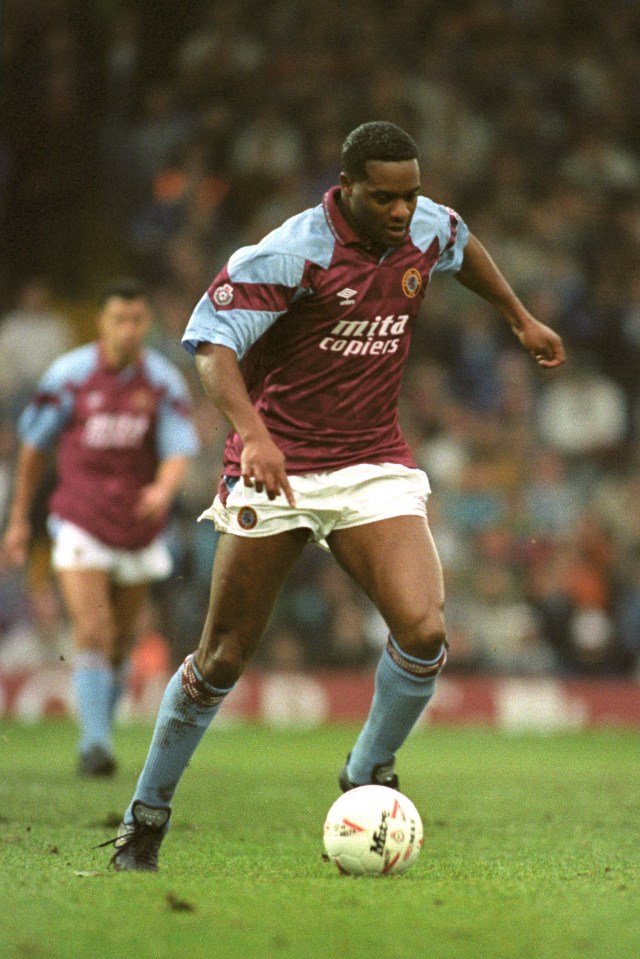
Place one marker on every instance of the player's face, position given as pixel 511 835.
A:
pixel 380 208
pixel 123 325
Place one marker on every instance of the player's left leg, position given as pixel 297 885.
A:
pixel 87 597
pixel 127 603
pixel 396 563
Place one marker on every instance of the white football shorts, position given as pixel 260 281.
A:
pixel 325 502
pixel 74 548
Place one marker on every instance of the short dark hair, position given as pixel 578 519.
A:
pixel 124 288
pixel 377 140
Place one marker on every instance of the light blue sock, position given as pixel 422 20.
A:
pixel 181 724
pixel 92 683
pixel 400 697
pixel 119 676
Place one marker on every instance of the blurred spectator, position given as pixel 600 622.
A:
pixel 584 413
pixel 615 497
pixel 283 651
pixel 478 502
pixel 550 499
pixel 350 647
pixel 627 359
pixel 160 130
pixel 574 597
pixel 627 609
pixel 8 447
pixel 268 143
pixel 474 370
pixel 600 163
pixel 503 628
pixel 32 335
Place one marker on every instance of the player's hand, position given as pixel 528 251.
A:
pixel 263 467
pixel 154 503
pixel 14 548
pixel 543 343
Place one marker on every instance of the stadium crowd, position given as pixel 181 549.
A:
pixel 135 144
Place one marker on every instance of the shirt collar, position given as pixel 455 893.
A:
pixel 336 220
pixel 124 372
pixel 341 229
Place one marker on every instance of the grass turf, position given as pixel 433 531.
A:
pixel 531 851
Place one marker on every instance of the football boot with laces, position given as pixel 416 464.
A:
pixel 138 843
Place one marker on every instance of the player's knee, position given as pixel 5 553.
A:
pixel 428 646
pixel 221 664
pixel 424 639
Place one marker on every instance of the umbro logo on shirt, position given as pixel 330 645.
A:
pixel 347 296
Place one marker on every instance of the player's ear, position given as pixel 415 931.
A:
pixel 346 183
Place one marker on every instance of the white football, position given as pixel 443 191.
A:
pixel 373 831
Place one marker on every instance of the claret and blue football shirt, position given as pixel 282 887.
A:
pixel 112 427
pixel 322 328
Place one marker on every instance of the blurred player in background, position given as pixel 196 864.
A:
pixel 120 417
pixel 301 342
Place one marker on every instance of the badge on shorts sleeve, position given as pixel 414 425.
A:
pixel 247 517
pixel 411 283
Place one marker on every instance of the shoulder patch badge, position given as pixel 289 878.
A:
pixel 223 295
pixel 411 283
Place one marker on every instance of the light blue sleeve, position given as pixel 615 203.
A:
pixel 261 287
pixel 259 284
pixel 51 406
pixel 237 329
pixel 175 431
pixel 451 259
pixel 434 220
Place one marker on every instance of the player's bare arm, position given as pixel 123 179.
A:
pixel 480 274
pixel 262 462
pixel 156 498
pixel 29 472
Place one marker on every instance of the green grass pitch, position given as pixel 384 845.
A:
pixel 532 851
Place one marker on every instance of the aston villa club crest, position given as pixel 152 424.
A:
pixel 223 295
pixel 247 517
pixel 411 283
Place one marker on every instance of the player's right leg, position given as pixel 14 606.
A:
pixel 248 574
